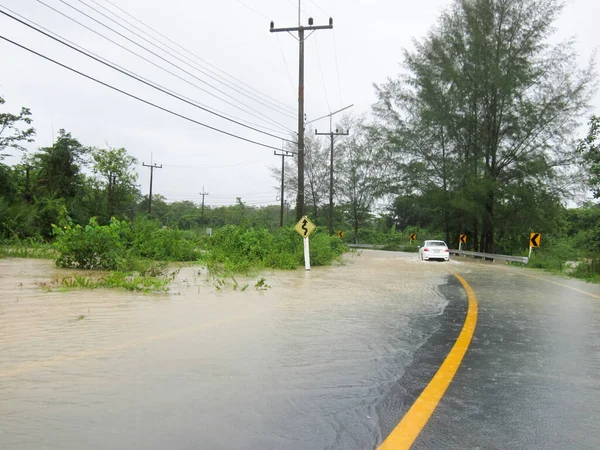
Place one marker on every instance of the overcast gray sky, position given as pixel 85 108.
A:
pixel 233 40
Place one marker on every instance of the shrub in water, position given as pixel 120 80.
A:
pixel 93 247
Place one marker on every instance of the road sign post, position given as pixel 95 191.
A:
pixel 306 254
pixel 534 241
pixel 412 237
pixel 462 239
pixel 304 228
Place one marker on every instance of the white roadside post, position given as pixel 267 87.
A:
pixel 304 228
pixel 306 254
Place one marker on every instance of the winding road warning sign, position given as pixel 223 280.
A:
pixel 304 227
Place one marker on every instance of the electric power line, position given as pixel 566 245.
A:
pixel 166 70
pixel 153 53
pixel 337 70
pixel 138 78
pixel 320 9
pixel 188 166
pixel 193 54
pixel 146 79
pixel 285 110
pixel 252 9
pixel 89 77
pixel 322 76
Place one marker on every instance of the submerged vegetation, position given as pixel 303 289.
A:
pixel 136 256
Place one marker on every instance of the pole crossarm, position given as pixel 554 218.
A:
pixel 314 27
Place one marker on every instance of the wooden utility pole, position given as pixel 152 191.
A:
pixel 331 134
pixel 283 155
pixel 301 29
pixel 152 167
pixel 203 194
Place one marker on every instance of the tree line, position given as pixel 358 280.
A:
pixel 475 136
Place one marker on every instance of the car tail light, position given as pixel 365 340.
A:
pixel 425 249
pixel 447 251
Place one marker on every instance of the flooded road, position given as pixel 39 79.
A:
pixel 327 359
pixel 300 365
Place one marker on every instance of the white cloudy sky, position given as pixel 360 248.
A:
pixel 233 40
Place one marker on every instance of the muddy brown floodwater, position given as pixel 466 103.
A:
pixel 300 365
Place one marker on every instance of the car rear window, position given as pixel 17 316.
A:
pixel 437 243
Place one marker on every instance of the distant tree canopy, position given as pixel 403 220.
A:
pixel 483 119
pixel 476 137
pixel 11 134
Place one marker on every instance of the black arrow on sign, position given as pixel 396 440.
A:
pixel 304 222
pixel 463 238
pixel 534 239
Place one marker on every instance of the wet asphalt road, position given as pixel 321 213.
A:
pixel 332 359
pixel 531 379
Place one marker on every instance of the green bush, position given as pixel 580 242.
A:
pixel 93 247
pixel 554 253
pixel 149 240
pixel 242 249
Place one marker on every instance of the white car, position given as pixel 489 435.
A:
pixel 434 250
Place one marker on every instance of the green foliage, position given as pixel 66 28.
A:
pixel 554 254
pixel 58 168
pixel 93 246
pixel 151 241
pixel 116 179
pixel 10 134
pixel 16 220
pixel 27 248
pixel 241 249
pixel 110 280
pixel 589 148
pixel 120 246
pixel 483 116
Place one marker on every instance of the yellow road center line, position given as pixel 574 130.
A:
pixel 547 280
pixel 411 425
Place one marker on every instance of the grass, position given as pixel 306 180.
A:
pixel 27 249
pixel 110 280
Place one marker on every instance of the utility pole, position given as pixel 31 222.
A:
pixel 301 29
pixel 203 194
pixel 331 134
pixel 152 167
pixel 283 155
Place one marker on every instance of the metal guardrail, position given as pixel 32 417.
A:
pixel 519 259
pixel 492 256
pixel 366 246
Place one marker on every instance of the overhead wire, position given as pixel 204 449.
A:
pixel 337 69
pixel 337 65
pixel 193 54
pixel 322 76
pixel 320 9
pixel 264 118
pixel 287 68
pixel 191 166
pixel 285 109
pixel 138 78
pixel 89 77
pixel 153 53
